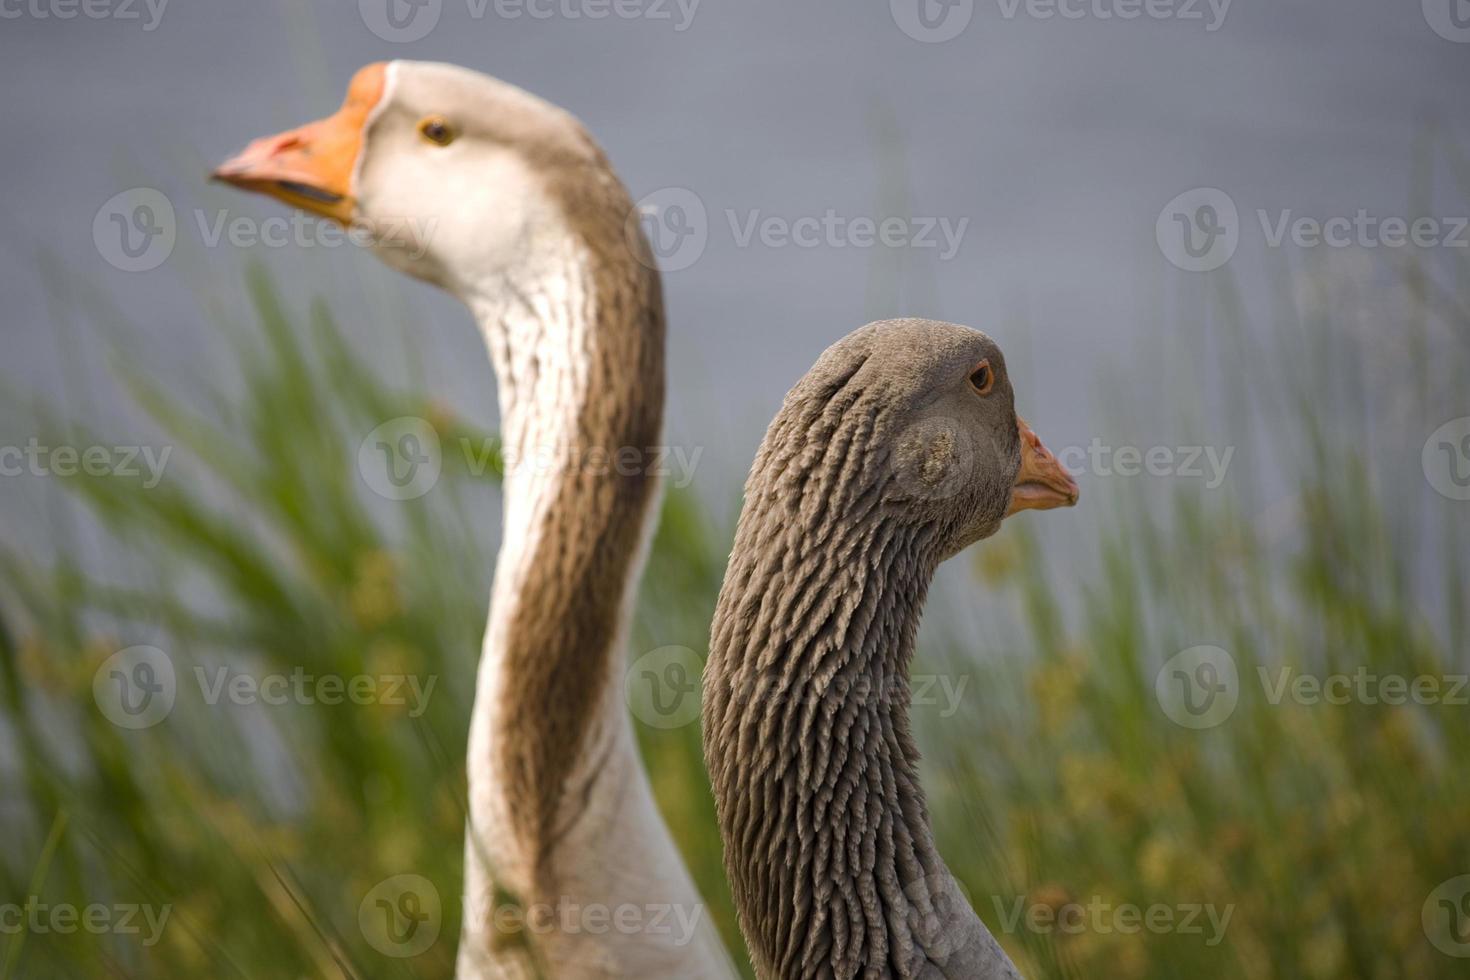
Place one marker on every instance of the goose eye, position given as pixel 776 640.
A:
pixel 436 130
pixel 982 378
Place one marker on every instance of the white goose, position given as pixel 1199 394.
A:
pixel 506 202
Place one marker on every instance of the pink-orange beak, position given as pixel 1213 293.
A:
pixel 1043 482
pixel 311 167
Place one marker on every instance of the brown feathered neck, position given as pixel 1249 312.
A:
pixel 561 810
pixel 577 335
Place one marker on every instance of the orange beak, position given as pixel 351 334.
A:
pixel 312 167
pixel 1043 482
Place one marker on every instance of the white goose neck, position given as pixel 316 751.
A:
pixel 560 805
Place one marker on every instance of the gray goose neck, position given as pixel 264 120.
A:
pixel 827 839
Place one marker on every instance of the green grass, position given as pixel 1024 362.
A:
pixel 1059 779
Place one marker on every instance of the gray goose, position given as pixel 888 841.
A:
pixel 898 449
pixel 505 201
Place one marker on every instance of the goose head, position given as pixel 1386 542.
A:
pixel 958 459
pixel 447 173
